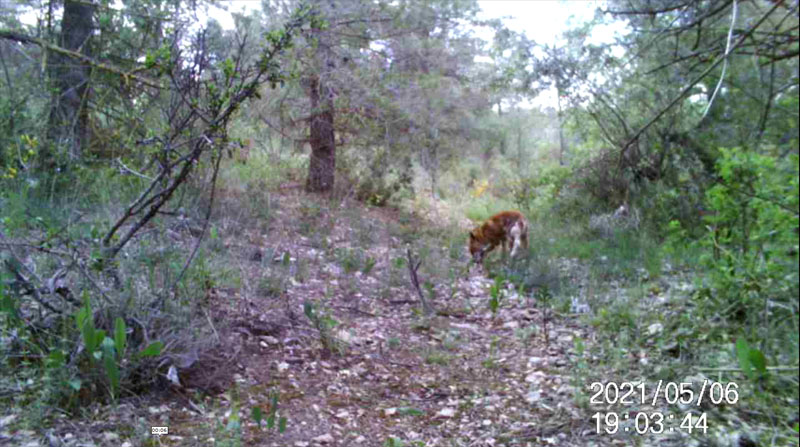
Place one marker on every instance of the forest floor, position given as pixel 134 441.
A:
pixel 369 368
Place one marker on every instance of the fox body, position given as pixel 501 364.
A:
pixel 507 226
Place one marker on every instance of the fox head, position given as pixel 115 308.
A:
pixel 476 247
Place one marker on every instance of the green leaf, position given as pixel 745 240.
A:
pixel 75 384
pixel 110 363
pixel 80 319
pixel 752 361
pixel 579 346
pixel 758 360
pixel 409 411
pixel 152 350
pixel 256 414
pixel 97 339
pixel 8 306
pixel 273 400
pixel 56 359
pixel 282 424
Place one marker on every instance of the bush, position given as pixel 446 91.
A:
pixel 751 242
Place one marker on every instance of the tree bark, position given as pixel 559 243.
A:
pixel 322 164
pixel 68 124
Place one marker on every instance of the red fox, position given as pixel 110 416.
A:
pixel 507 226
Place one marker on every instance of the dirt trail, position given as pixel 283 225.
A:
pixel 464 376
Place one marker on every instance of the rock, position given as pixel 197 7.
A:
pixel 446 412
pixel 533 396
pixel 270 339
pixel 324 439
pixel 655 328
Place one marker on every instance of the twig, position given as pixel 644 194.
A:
pixel 91 280
pixel 211 324
pixel 207 218
pixel 19 276
pixel 127 169
pixel 412 270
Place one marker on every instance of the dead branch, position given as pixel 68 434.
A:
pixel 207 219
pixel 412 271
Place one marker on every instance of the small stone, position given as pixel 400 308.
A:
pixel 446 413
pixel 324 439
pixel 270 339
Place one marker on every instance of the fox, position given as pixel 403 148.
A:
pixel 506 226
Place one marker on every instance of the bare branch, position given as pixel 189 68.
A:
pixel 126 76
pixel 696 80
pixel 412 271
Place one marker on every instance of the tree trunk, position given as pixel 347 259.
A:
pixel 562 146
pixel 322 164
pixel 68 124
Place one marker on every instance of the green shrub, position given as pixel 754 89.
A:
pixel 751 241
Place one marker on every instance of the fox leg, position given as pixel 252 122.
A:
pixel 515 236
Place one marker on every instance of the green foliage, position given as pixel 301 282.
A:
pixel 98 347
pixel 579 373
pixel 8 306
pixel 392 441
pixel 230 434
pixel 751 360
pixel 751 243
pixel 353 260
pixel 479 210
pixel 273 421
pixel 152 350
pixel 436 357
pixel 495 293
pixel 324 323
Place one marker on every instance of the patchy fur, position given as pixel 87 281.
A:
pixel 507 226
